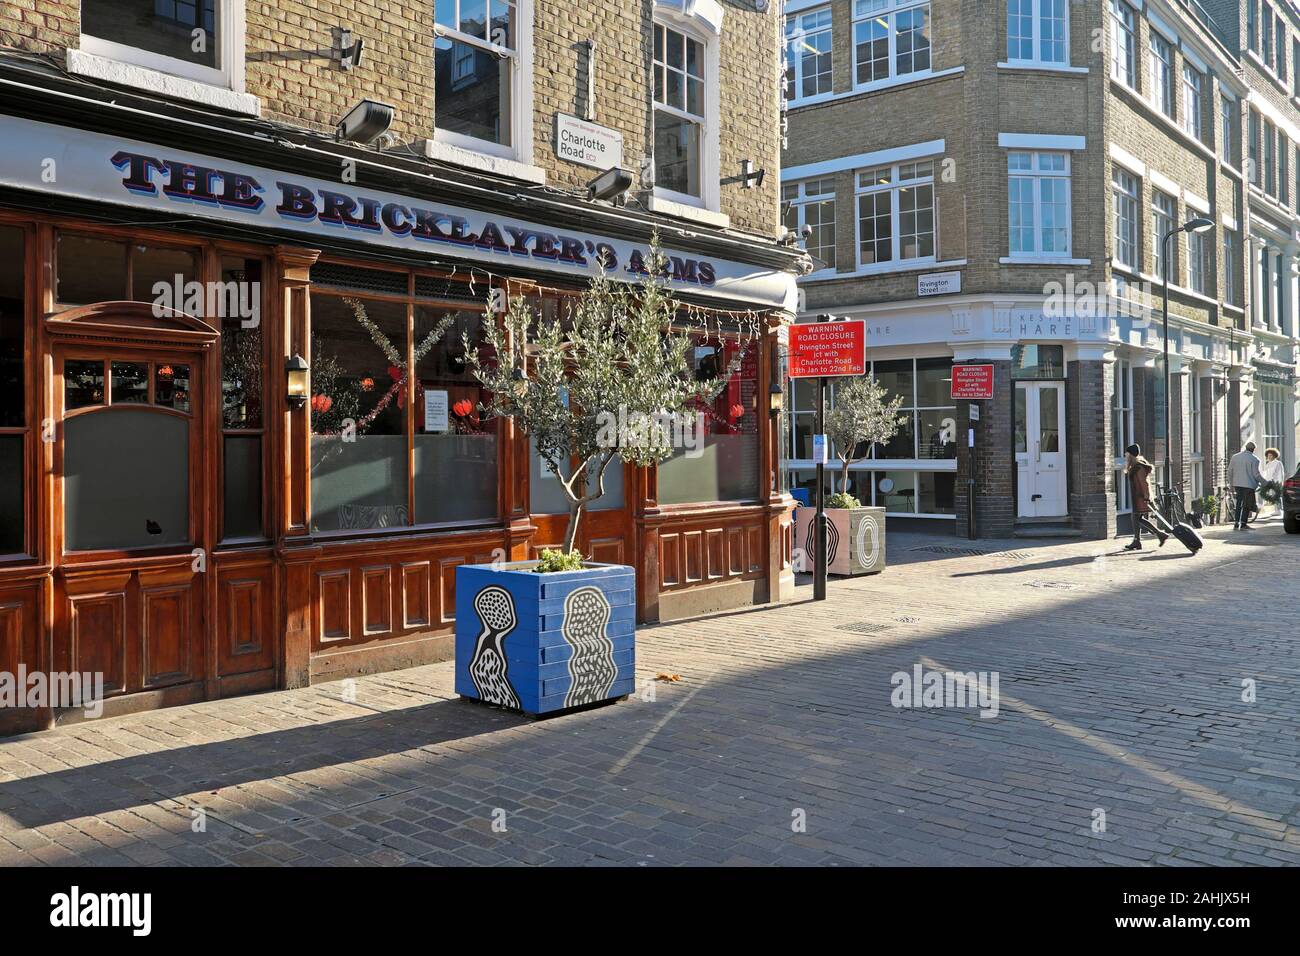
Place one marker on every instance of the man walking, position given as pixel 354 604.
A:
pixel 1244 476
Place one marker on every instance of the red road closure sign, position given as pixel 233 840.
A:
pixel 829 349
pixel 972 381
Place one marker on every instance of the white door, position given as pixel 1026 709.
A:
pixel 1040 449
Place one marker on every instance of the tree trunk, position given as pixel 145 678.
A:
pixel 844 476
pixel 571 533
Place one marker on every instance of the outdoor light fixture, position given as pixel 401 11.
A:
pixel 365 122
pixel 749 176
pixel 520 382
pixel 295 373
pixel 613 184
pixel 776 398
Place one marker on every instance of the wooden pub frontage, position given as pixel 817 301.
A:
pixel 239 445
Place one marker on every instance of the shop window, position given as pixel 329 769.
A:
pixel 126 480
pixel 359 399
pixel 1037 361
pixel 89 270
pixel 243 428
pixel 152 266
pixel 724 464
pixel 455 445
pixel 13 417
pixel 546 497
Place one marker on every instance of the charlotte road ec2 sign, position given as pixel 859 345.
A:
pixel 828 349
pixel 972 381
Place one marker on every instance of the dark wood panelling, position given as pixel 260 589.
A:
pixel 97 636
pixel 416 610
pixel 19 630
pixel 608 550
pixel 376 600
pixel 715 553
pixel 755 552
pixel 693 549
pixel 670 560
pixel 246 638
pixel 736 551
pixel 447 588
pixel 166 634
pixel 334 605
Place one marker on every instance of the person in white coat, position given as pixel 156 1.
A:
pixel 1273 472
pixel 1243 475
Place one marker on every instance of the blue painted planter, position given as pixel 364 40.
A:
pixel 539 643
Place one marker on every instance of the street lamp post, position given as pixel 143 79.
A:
pixel 1199 224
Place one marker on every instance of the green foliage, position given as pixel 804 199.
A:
pixel 559 561
pixel 861 414
pixel 615 357
pixel 841 500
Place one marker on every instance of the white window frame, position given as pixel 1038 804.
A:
pixel 1163 221
pixel 1037 175
pixel 1121 411
pixel 222 86
pixel 1122 200
pixel 795 61
pixel 1193 100
pixel 1124 59
pixel 1161 74
pixel 1227 129
pixel 1230 246
pixel 1036 20
pixel 889 10
pixel 707 33
pixel 1194 444
pixel 520 149
pixel 895 185
pixel 1198 262
pixel 800 202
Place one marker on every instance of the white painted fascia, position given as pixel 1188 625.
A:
pixel 879 157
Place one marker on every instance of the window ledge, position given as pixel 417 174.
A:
pixel 1043 261
pixel 1038 67
pixel 681 210
pixel 178 87
pixel 926 265
pixel 483 162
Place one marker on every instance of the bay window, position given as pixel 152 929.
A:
pixel 896 213
pixel 481 68
pixel 811 203
pixel 1124 192
pixel 1038 204
pixel 808 54
pixel 1037 31
pixel 891 39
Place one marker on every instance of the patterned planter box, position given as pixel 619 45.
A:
pixel 541 643
pixel 855 539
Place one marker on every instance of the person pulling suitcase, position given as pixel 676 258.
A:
pixel 1138 471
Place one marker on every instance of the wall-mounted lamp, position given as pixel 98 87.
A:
pixel 350 48
pixel 749 176
pixel 519 382
pixel 365 122
pixel 295 373
pixel 775 398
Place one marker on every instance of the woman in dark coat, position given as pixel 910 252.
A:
pixel 1138 471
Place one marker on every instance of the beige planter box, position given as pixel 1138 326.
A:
pixel 855 540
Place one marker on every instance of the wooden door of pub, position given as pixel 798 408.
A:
pixel 132 504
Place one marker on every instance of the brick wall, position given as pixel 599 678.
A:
pixel 991 462
pixel 1089 387
pixel 292 67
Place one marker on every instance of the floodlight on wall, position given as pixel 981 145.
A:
pixel 365 122
pixel 350 48
pixel 613 184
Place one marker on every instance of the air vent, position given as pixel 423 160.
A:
pixel 359 280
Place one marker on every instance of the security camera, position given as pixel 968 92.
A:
pixel 805 232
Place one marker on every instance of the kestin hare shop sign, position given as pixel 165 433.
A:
pixel 581 142
pixel 96 166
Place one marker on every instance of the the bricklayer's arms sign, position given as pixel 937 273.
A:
pixel 96 166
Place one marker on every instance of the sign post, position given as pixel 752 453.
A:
pixel 972 383
pixel 821 350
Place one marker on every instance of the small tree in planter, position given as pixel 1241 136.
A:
pixel 855 535
pixel 609 381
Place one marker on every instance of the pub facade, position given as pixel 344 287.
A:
pixel 240 448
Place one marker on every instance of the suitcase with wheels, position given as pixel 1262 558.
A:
pixel 1185 533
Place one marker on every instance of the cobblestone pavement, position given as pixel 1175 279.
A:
pixel 1121 692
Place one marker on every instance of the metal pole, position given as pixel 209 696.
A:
pixel 819 566
pixel 1169 474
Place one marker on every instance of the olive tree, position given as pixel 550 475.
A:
pixel 611 379
pixel 860 414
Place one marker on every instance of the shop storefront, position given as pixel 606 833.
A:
pixel 239 444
